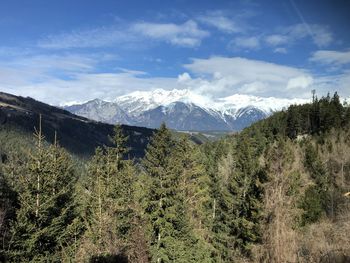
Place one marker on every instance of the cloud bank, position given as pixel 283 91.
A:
pixel 70 78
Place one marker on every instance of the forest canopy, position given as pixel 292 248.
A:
pixel 275 192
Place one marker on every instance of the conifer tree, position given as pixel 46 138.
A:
pixel 97 214
pixel 171 234
pixel 45 204
pixel 218 167
pixel 109 208
pixel 193 190
pixel 194 182
pixel 237 225
pixel 293 122
pixel 247 190
pixel 7 213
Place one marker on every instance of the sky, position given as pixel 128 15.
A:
pixel 65 51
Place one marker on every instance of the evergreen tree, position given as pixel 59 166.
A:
pixel 109 207
pixel 293 122
pixel 317 196
pixel 171 234
pixel 194 191
pixel 45 204
pixel 8 200
pixel 245 185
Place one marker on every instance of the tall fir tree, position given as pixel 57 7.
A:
pixel 236 225
pixel 171 234
pixel 45 204
pixel 247 190
pixel 109 205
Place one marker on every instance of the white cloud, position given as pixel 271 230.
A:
pixel 320 35
pixel 184 77
pixel 281 50
pixel 187 34
pixel 66 62
pixel 214 77
pixel 300 82
pixel 276 40
pixel 82 87
pixel 245 42
pixel 241 75
pixel 331 57
pixel 95 37
pixel 218 20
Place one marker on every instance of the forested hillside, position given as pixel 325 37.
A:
pixel 276 192
pixel 78 135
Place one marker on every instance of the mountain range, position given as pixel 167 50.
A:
pixel 182 110
pixel 77 134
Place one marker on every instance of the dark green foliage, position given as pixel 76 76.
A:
pixel 78 135
pixel 171 236
pixel 293 122
pixel 109 209
pixel 312 205
pixel 316 118
pixel 236 191
pixel 241 199
pixel 318 198
pixel 182 202
pixel 8 203
pixel 45 188
pixel 162 207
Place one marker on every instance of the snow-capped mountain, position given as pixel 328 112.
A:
pixel 137 102
pixel 100 110
pixel 182 110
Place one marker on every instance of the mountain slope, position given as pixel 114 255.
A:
pixel 77 134
pixel 183 110
pixel 100 110
pixel 182 116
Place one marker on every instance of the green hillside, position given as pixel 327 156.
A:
pixel 78 135
pixel 276 192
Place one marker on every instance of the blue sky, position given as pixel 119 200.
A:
pixel 65 51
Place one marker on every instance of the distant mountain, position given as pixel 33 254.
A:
pixel 77 134
pixel 182 116
pixel 182 110
pixel 100 110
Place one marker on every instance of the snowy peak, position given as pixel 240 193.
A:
pixel 158 96
pixel 140 101
pixel 100 110
pixel 183 109
pixel 238 101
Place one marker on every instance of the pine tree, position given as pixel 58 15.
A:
pixel 316 198
pixel 119 148
pixel 194 191
pixel 293 122
pixel 110 214
pixel 97 213
pixel 250 206
pixel 45 200
pixel 218 167
pixel 166 207
pixel 8 200
pixel 237 227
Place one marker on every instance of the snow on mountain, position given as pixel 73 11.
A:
pixel 100 110
pixel 232 104
pixel 183 109
pixel 140 101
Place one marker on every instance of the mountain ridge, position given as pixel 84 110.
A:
pixel 150 108
pixel 77 134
